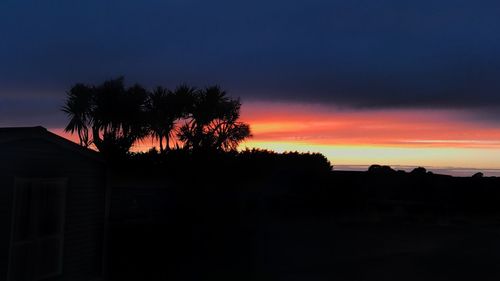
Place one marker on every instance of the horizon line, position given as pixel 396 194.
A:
pixel 452 171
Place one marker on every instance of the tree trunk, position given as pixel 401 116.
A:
pixel 161 143
pixel 80 136
pixel 97 139
pixel 167 141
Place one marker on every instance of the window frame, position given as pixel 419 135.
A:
pixel 37 238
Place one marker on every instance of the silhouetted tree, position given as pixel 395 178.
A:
pixel 213 122
pixel 78 108
pixel 160 119
pixel 164 108
pixel 182 100
pixel 118 117
pixel 115 115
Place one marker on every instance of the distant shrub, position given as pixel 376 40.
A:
pixel 419 171
pixel 379 169
pixel 478 175
pixel 285 161
pixel 248 160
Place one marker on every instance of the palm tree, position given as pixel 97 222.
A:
pixel 78 107
pixel 118 116
pixel 213 122
pixel 164 109
pixel 115 115
pixel 159 121
pixel 181 100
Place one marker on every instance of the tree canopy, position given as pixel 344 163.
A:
pixel 113 117
pixel 213 122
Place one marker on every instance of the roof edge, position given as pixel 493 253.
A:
pixel 17 133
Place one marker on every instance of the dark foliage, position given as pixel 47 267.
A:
pixel 378 169
pixel 113 118
pixel 478 175
pixel 249 160
pixel 419 171
pixel 112 113
pixel 213 122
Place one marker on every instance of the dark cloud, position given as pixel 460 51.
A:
pixel 357 53
pixel 31 112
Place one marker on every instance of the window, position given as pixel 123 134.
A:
pixel 37 229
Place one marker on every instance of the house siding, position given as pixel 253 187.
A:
pixel 6 187
pixel 85 202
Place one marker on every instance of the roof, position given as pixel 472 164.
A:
pixel 11 134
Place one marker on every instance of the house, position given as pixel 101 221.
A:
pixel 52 208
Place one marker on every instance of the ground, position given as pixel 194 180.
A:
pixel 306 249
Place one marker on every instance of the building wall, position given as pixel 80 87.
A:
pixel 85 202
pixel 6 188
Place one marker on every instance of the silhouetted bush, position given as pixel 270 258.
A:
pixel 419 171
pixel 378 169
pixel 478 175
pixel 248 161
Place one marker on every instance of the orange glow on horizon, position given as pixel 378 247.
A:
pixel 431 138
pixel 400 128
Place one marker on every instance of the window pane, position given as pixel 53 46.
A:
pixel 50 208
pixel 49 257
pixel 23 262
pixel 23 212
pixel 38 228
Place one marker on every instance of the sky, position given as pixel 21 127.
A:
pixel 408 83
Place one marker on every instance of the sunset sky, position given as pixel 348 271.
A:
pixel 403 83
